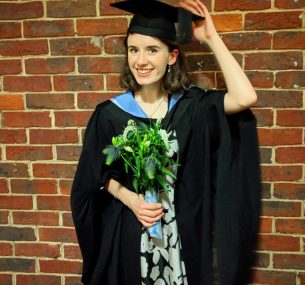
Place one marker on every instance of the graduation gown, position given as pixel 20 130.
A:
pixel 217 192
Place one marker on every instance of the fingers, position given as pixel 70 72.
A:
pixel 149 222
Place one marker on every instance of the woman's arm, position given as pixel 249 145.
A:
pixel 147 213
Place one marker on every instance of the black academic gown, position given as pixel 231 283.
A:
pixel 217 194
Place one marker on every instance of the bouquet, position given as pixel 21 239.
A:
pixel 146 152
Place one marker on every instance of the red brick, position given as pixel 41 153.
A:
pixel 75 46
pixel 293 191
pixel 78 83
pixel 54 28
pixel 69 280
pixel 12 136
pixel 281 209
pixel 60 266
pixel 23 47
pixel 53 203
pixel 90 100
pixel 289 261
pixel 33 186
pixel 57 235
pixel 10 30
pixel 265 225
pixel 36 218
pixel 11 102
pixel 16 202
pixel 54 170
pixel 289 4
pixel 65 186
pixel 3 186
pixel 100 65
pixel 6 279
pixel 72 252
pixel 289 40
pixel 273 20
pixel 13 170
pixel 71 8
pixel 72 119
pixel 261 79
pixel 302 278
pixel 278 243
pixel 67 220
pixel 37 279
pixel 291 118
pixel 262 259
pixel 265 155
pixel 49 65
pixel 6 249
pixel 26 119
pixel 68 153
pixel 279 99
pixel 4 217
pixel 274 60
pixel 273 277
pixel 10 66
pixel 290 155
pixel 113 82
pixel 244 41
pixel 264 117
pixel 101 27
pixel 221 5
pixel 50 101
pixel 290 226
pixel 27 83
pixel 283 136
pixel 114 45
pixel 228 22
pixel 53 136
pixel 18 11
pixel 290 79
pixel 37 250
pixel 29 153
pixel 281 173
pixel 204 80
pixel 10 233
pixel 106 9
pixel 17 265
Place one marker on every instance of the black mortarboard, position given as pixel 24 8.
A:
pixel 154 18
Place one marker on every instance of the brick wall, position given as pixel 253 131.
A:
pixel 58 59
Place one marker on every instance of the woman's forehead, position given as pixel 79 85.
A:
pixel 143 40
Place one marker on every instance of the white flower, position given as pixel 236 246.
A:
pixel 128 148
pixel 164 136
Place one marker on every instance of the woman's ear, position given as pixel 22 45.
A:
pixel 173 56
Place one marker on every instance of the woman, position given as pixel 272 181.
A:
pixel 215 186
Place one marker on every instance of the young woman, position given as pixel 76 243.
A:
pixel 215 200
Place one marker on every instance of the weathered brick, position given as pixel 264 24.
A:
pixel 100 64
pixel 37 250
pixel 23 47
pixel 283 136
pixel 113 82
pixel 290 226
pixel 72 119
pixel 274 60
pixel 291 118
pixel 6 249
pixel 6 279
pixel 290 155
pixel 281 209
pixel 228 22
pixel 63 266
pixel 289 261
pixel 67 220
pixel 264 117
pixel 11 102
pixel 101 27
pixel 279 99
pixel 90 100
pixel 290 79
pixel 53 136
pixel 29 153
pixel 261 79
pixel 70 280
pixel 33 186
pixel 55 101
pixel 204 80
pixel 265 225
pixel 281 173
pixel 289 40
pixel 250 40
pixel 273 277
pixel 4 217
pixel 302 278
pixel 289 4
pixel 37 279
pixel 75 46
pixel 9 233
pixel 10 30
pixel 114 45
pixel 106 9
pixel 17 265
pixel 262 259
pixel 57 235
pixel 273 20
pixel 56 203
pixel 278 243
pixel 68 152
pixel 222 5
pixel 265 155
pixel 65 186
pixel 13 170
pixel 26 119
pixel 49 65
pixel 4 186
pixel 10 66
pixel 54 28
pixel 36 218
pixel 27 83
pixel 71 8
pixel 78 83
pixel 58 170
pixel 18 11
pixel 293 191
pixel 72 252
pixel 12 136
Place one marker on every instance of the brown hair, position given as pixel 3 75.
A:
pixel 174 81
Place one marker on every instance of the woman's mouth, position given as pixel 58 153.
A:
pixel 143 72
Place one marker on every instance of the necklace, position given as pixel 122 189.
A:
pixel 157 108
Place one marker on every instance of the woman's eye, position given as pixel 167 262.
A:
pixel 153 50
pixel 132 50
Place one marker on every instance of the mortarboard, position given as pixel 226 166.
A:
pixel 154 18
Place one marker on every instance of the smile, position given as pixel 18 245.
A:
pixel 143 72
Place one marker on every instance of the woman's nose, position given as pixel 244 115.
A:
pixel 142 58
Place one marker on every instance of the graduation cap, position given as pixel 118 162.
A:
pixel 155 18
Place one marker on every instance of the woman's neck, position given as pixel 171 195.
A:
pixel 150 94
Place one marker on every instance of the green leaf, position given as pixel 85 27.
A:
pixel 168 172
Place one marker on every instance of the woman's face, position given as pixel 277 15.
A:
pixel 148 58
